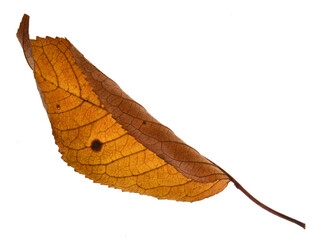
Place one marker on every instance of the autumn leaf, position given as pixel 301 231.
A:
pixel 104 134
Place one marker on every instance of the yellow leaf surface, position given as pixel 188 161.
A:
pixel 103 148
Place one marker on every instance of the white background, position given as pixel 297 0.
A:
pixel 237 80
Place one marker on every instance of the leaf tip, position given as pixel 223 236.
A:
pixel 23 37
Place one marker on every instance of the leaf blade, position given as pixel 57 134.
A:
pixel 102 146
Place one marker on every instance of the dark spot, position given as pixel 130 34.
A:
pixel 144 122
pixel 96 145
pixel 58 106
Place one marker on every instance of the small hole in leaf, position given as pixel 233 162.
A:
pixel 96 145
pixel 58 106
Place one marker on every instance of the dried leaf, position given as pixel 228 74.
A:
pixel 105 135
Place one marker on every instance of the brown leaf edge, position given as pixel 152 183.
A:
pixel 23 37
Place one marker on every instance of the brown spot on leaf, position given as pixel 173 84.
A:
pixel 96 145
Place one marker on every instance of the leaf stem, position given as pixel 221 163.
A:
pixel 239 186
